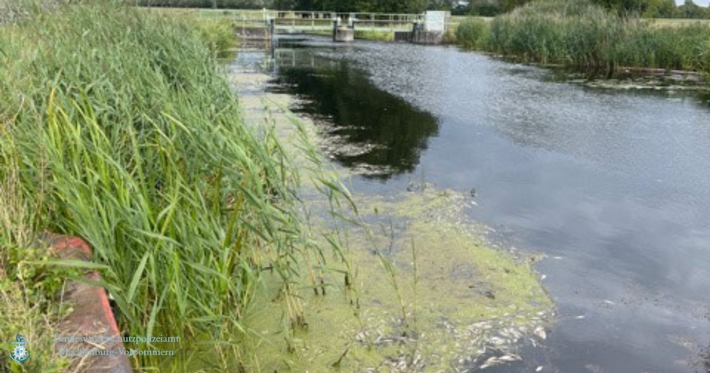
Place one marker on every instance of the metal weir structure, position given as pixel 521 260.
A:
pixel 265 23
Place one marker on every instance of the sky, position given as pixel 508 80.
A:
pixel 698 2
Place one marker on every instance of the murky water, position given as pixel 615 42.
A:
pixel 613 186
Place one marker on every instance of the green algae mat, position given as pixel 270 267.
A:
pixel 413 285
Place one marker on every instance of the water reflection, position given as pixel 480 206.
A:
pixel 704 98
pixel 704 360
pixel 369 129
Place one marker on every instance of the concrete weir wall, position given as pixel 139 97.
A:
pixel 403 36
pixel 427 37
pixel 343 35
pixel 253 33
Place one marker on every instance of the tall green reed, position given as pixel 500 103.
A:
pixel 585 36
pixel 121 130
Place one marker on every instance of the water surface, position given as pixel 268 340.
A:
pixel 613 187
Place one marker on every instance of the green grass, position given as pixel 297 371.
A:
pixel 584 36
pixel 361 34
pixel 374 35
pixel 676 22
pixel 216 33
pixel 117 126
pixel 28 285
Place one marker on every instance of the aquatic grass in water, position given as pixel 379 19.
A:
pixel 120 129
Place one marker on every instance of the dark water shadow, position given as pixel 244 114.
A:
pixel 368 129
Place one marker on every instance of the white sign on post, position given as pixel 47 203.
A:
pixel 435 20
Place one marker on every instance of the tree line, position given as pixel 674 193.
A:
pixel 644 8
pixel 379 6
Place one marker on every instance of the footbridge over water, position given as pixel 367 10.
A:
pixel 425 28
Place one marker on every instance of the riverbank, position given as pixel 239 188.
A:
pixel 587 38
pixel 118 126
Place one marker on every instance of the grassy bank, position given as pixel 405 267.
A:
pixel 117 126
pixel 360 34
pixel 374 35
pixel 586 37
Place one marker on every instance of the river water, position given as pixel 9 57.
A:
pixel 612 186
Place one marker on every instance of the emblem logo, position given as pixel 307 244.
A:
pixel 20 353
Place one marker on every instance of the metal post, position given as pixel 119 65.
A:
pixel 335 28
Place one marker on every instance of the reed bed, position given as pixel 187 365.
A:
pixel 117 126
pixel 585 36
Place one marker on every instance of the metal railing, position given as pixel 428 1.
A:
pixel 319 21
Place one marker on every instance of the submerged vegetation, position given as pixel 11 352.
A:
pixel 587 37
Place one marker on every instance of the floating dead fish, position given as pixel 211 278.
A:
pixel 539 369
pixel 509 358
pixel 540 332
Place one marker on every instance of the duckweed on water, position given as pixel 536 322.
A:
pixel 421 291
pixel 468 301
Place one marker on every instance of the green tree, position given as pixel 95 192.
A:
pixel 660 9
pixel 625 7
pixel 508 5
pixel 691 10
pixel 485 8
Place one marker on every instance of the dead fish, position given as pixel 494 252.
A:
pixel 508 358
pixel 540 332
